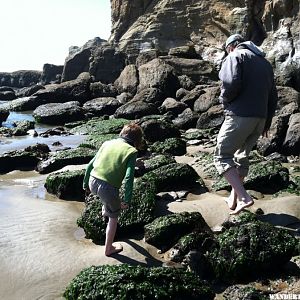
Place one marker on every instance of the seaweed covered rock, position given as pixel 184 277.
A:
pixel 173 146
pixel 153 163
pixel 245 293
pixel 123 281
pixel 194 241
pixel 173 177
pixel 140 212
pixel 95 141
pixel 66 185
pixel 265 177
pixel 165 231
pixel 64 158
pixel 249 249
pixel 99 126
pixel 18 160
pixel 22 127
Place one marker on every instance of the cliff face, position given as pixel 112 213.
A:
pixel 138 25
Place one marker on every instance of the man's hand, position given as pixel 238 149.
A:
pixel 124 205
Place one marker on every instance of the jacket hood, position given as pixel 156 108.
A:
pixel 252 47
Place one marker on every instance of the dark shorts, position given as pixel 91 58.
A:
pixel 109 196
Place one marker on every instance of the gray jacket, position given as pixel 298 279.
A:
pixel 248 88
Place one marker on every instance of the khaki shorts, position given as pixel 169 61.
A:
pixel 236 138
pixel 109 196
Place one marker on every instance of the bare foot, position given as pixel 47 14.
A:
pixel 114 250
pixel 241 204
pixel 231 200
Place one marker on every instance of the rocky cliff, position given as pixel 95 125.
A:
pixel 140 25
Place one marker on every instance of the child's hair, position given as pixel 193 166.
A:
pixel 134 133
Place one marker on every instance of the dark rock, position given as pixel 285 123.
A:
pixel 58 113
pixel 106 63
pixel 4 113
pixel 184 52
pixel 137 282
pixel 78 60
pixel 28 91
pixel 6 89
pixel 173 106
pixel 18 160
pixel 128 80
pixel 101 106
pixel 172 146
pixel 73 90
pixel 146 56
pixel 158 129
pixel 135 110
pixel 150 95
pixel 181 93
pixel 52 74
pixel 245 293
pixel 99 90
pixel 20 79
pixel 274 245
pixel 192 96
pixel 196 69
pixel 208 98
pixel 187 119
pixel 213 118
pixel 7 95
pixel 173 177
pixel 124 98
pixel 291 143
pixel 158 74
pixel 55 131
pixel 186 83
pixel 22 127
pixel 64 158
pixel 165 231
pixel 131 220
pixel 265 177
pixel 66 185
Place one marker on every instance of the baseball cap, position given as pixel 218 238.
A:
pixel 233 38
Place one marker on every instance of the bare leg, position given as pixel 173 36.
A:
pixel 243 198
pixel 110 235
pixel 232 199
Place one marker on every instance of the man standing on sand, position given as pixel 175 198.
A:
pixel 249 97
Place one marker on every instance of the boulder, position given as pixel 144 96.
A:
pixel 128 80
pixel 191 97
pixel 213 118
pixel 101 106
pixel 184 52
pixel 64 158
pixel 7 95
pixel 28 91
pixel 22 127
pixel 265 176
pixel 137 282
pixel 165 231
pixel 173 106
pixel 158 129
pixel 4 113
pixel 20 79
pixel 172 146
pixel 66 185
pixel 135 110
pixel 99 90
pixel 208 98
pixel 73 90
pixel 187 119
pixel 58 113
pixel 291 143
pixel 52 74
pixel 78 60
pixel 185 83
pixel 158 74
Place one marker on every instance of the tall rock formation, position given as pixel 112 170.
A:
pixel 140 25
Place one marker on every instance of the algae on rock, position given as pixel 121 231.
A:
pixel 125 282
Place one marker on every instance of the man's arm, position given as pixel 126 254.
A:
pixel 231 77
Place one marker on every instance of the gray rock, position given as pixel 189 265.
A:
pixel 128 80
pixel 291 144
pixel 101 106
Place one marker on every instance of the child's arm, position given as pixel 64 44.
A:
pixel 88 171
pixel 129 177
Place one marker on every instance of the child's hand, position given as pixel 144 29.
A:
pixel 124 205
